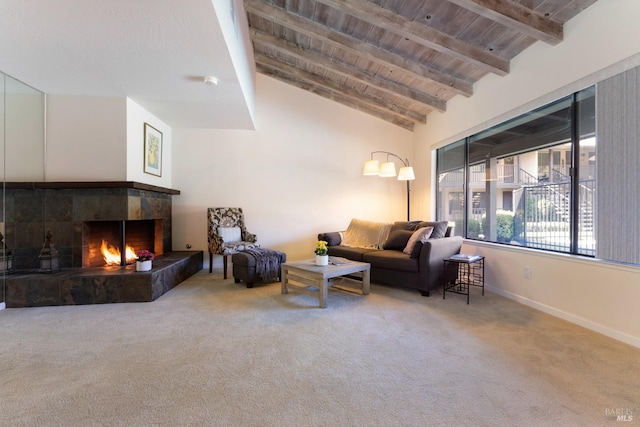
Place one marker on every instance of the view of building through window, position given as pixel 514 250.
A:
pixel 521 182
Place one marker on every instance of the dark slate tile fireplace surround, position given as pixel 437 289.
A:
pixel 80 215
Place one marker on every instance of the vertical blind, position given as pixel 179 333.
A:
pixel 618 168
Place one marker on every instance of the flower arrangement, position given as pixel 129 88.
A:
pixel 145 255
pixel 321 248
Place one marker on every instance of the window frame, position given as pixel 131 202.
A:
pixel 572 133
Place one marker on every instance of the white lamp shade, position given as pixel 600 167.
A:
pixel 371 167
pixel 388 169
pixel 406 174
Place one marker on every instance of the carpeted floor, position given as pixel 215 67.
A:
pixel 214 353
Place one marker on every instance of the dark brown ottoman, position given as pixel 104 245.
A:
pixel 244 267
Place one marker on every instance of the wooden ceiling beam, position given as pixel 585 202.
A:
pixel 329 89
pixel 398 60
pixel 421 34
pixel 337 97
pixel 517 17
pixel 347 71
pixel 357 47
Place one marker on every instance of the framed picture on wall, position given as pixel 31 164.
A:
pixel 152 150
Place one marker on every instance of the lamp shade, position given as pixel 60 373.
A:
pixel 406 174
pixel 388 169
pixel 371 167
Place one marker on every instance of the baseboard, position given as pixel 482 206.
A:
pixel 581 321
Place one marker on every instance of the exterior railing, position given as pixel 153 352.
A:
pixel 542 217
pixel 542 214
pixel 511 174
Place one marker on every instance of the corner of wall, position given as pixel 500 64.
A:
pixel 95 142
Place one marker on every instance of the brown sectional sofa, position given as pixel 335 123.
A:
pixel 421 270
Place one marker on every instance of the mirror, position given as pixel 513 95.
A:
pixel 22 151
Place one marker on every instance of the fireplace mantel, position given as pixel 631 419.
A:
pixel 70 185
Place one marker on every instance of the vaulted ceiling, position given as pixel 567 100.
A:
pixel 398 60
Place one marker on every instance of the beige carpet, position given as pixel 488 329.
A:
pixel 211 352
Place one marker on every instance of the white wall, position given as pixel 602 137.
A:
pixel 595 294
pixel 97 138
pixel 136 118
pixel 297 174
pixel 86 138
pixel 598 295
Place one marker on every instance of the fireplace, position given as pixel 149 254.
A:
pixel 80 215
pixel 107 236
pixel 77 212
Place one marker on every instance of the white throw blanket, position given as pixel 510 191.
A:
pixel 366 234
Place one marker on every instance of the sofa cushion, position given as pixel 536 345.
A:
pixel 397 239
pixel 420 235
pixel 354 254
pixel 365 234
pixel 391 260
pixel 439 228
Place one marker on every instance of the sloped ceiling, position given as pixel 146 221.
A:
pixel 398 60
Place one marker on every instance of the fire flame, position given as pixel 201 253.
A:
pixel 111 254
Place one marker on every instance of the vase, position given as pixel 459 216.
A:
pixel 143 265
pixel 322 260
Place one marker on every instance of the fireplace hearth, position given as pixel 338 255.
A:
pixel 102 285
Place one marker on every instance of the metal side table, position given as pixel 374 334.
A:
pixel 461 272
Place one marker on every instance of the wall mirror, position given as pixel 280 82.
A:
pixel 22 154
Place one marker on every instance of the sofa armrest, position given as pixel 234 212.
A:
pixel 432 255
pixel 333 238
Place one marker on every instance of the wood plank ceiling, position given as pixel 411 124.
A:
pixel 398 60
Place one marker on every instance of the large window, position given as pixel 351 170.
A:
pixel 527 182
pixel 451 179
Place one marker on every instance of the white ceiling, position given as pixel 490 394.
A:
pixel 154 51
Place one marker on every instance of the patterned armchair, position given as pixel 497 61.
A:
pixel 227 234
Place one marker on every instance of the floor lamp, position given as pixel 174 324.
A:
pixel 388 168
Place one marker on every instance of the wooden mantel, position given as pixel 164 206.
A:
pixel 89 184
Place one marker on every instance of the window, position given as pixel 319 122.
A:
pixel 507 200
pixel 451 188
pixel 519 180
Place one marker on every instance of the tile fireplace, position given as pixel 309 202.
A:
pixel 81 216
pixel 77 213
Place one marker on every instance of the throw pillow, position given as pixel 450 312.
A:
pixel 420 235
pixel 230 234
pixel 417 249
pixel 404 225
pixel 398 239
pixel 439 228
pixel 332 238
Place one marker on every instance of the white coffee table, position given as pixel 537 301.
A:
pixel 301 275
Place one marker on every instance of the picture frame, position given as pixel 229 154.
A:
pixel 152 150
